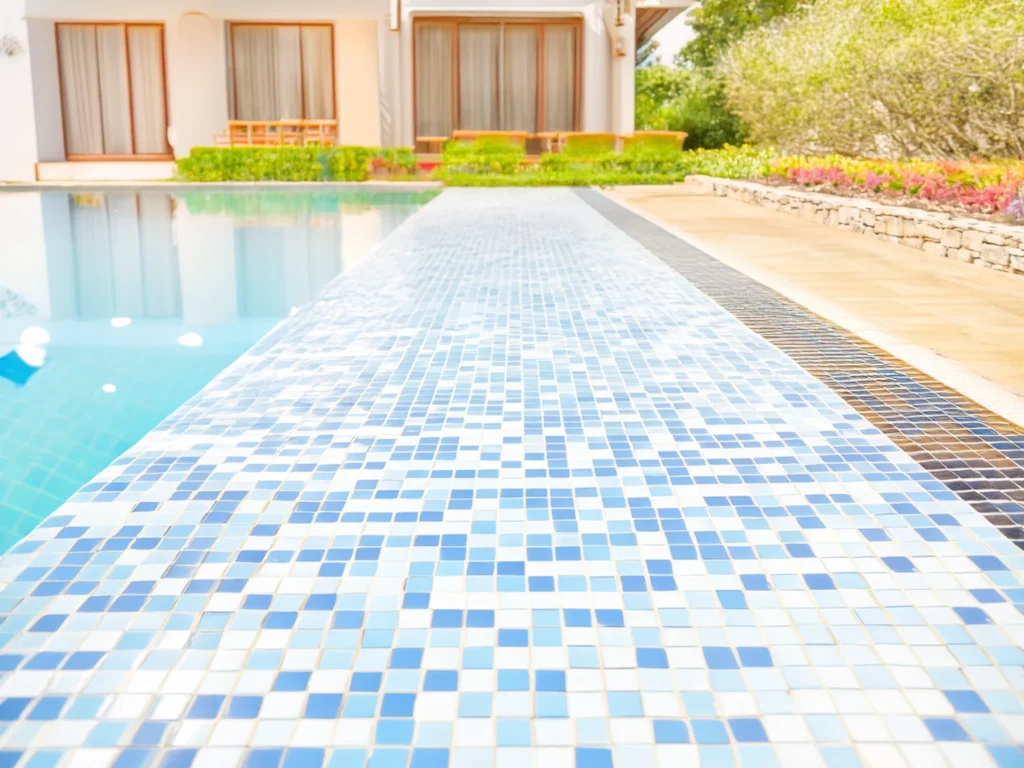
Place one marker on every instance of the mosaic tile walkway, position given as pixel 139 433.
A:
pixel 513 494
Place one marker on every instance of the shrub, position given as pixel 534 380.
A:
pixel 254 164
pixel 688 100
pixel 393 162
pixel 730 162
pixel 292 163
pixel 489 155
pixel 893 78
pixel 639 164
pixel 536 176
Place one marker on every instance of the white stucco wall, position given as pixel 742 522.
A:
pixel 18 150
pixel 196 70
pixel 373 78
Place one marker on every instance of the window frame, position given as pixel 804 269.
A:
pixel 233 84
pixel 125 25
pixel 453 23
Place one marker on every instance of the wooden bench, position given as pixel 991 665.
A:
pixel 279 133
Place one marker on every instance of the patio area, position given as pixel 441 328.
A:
pixel 537 483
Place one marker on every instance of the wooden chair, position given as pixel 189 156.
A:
pixel 430 145
pixel 550 141
pixel 655 138
pixel 517 138
pixel 323 133
pixel 584 140
pixel 278 133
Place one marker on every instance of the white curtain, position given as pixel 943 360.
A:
pixel 559 78
pixel 478 77
pixel 519 75
pixel 317 73
pixel 80 89
pixel 145 52
pixel 268 72
pixel 433 80
pixel 289 73
pixel 114 97
pixel 161 277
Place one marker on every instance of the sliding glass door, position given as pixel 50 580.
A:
pixel 113 93
pixel 496 75
pixel 281 71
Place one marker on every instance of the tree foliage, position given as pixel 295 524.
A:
pixel 719 23
pixel 928 78
pixel 691 96
pixel 689 100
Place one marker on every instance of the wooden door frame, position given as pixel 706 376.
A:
pixel 232 23
pixel 540 22
pixel 126 25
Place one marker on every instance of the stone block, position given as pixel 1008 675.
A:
pixel 933 249
pixel 966 254
pixel 973 240
pixel 913 242
pixel 929 231
pixel 894 226
pixel 952 238
pixel 996 255
pixel 993 239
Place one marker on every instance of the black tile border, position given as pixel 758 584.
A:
pixel 977 454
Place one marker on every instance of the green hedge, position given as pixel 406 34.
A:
pixel 487 162
pixel 496 163
pixel 293 163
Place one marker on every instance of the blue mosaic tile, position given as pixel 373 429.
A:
pixel 513 492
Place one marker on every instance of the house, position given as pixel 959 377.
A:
pixel 115 89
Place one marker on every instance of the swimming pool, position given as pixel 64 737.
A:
pixel 117 306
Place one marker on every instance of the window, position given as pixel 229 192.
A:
pixel 112 89
pixel 281 71
pixel 496 76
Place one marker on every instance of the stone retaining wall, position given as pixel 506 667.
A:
pixel 988 244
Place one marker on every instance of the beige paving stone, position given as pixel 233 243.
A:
pixel 974 317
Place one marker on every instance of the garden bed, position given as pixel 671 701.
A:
pixel 989 244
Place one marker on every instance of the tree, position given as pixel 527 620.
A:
pixel 717 24
pixel 691 96
pixel 900 78
pixel 689 100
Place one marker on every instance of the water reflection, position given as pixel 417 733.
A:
pixel 117 306
pixel 148 254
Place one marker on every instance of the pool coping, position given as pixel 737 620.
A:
pixel 371 186
pixel 954 375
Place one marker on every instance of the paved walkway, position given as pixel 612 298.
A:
pixel 513 492
pixel 972 316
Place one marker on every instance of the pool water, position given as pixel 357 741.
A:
pixel 117 306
